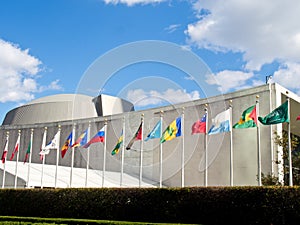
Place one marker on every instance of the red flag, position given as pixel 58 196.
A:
pixel 3 158
pixel 16 149
pixel 137 136
pixel 200 125
pixel 298 118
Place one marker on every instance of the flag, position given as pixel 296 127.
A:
pixel 67 144
pixel 278 115
pixel 53 144
pixel 99 137
pixel 3 158
pixel 82 139
pixel 221 123
pixel 248 118
pixel 118 145
pixel 200 125
pixel 16 149
pixel 298 118
pixel 27 152
pixel 172 131
pixel 137 136
pixel 156 132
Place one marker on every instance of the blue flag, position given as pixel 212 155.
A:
pixel 156 132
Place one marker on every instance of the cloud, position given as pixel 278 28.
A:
pixel 144 98
pixel 230 80
pixel 263 31
pixel 18 73
pixel 172 28
pixel 132 2
pixel 288 76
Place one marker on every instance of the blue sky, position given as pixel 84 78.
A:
pixel 47 46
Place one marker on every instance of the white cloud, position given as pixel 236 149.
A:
pixel 172 28
pixel 132 2
pixel 288 76
pixel 18 73
pixel 140 97
pixel 229 80
pixel 263 31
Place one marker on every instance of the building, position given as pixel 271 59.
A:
pixel 183 161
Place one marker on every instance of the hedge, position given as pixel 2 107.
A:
pixel 211 205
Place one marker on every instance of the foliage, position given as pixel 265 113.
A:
pixel 282 141
pixel 270 180
pixel 194 205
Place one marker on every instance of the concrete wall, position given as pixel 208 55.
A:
pixel 244 142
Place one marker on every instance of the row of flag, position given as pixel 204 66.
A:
pixel 220 123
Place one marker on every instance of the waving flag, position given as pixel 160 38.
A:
pixel 53 144
pixel 248 119
pixel 16 149
pixel 156 132
pixel 298 118
pixel 278 115
pixel 200 125
pixel 82 139
pixel 3 158
pixel 118 145
pixel 67 144
pixel 221 123
pixel 27 152
pixel 137 136
pixel 99 137
pixel 172 131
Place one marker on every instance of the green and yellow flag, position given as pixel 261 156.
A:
pixel 118 145
pixel 248 119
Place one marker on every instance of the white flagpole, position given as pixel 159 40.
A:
pixel 104 153
pixel 231 145
pixel 206 144
pixel 182 156
pixel 88 156
pixel 289 146
pixel 271 131
pixel 44 156
pixel 123 153
pixel 17 160
pixel 141 152
pixel 160 150
pixel 258 144
pixel 57 156
pixel 72 149
pixel 29 160
pixel 4 167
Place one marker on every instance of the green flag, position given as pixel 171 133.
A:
pixel 278 115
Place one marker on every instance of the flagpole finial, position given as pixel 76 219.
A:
pixel 19 131
pixel 46 128
pixel 230 103
pixel 59 126
pixel 32 129
pixel 7 132
pixel 105 121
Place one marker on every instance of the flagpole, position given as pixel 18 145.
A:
pixel 72 149
pixel 17 160
pixel 289 145
pixel 29 161
pixel 206 144
pixel 271 132
pixel 123 153
pixel 231 146
pixel 104 152
pixel 44 156
pixel 182 152
pixel 57 156
pixel 141 152
pixel 160 150
pixel 88 156
pixel 4 167
pixel 258 144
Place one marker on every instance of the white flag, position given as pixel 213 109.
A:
pixel 53 144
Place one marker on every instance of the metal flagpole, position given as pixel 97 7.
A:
pixel 57 156
pixel 123 153
pixel 160 150
pixel 141 152
pixel 289 145
pixel 29 160
pixel 17 160
pixel 271 131
pixel 44 156
pixel 258 144
pixel 72 149
pixel 206 144
pixel 231 145
pixel 104 153
pixel 4 167
pixel 182 152
pixel 88 156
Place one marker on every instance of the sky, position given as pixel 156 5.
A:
pixel 48 47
